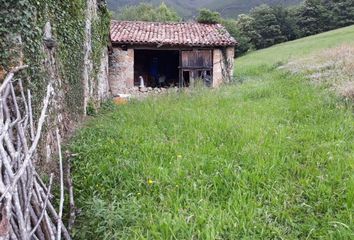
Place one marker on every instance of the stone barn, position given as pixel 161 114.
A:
pixel 153 54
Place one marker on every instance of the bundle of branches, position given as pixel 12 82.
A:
pixel 26 209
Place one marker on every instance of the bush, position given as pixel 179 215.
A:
pixel 209 17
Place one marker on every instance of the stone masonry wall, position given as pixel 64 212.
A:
pixel 217 70
pixel 223 63
pixel 94 89
pixel 229 60
pixel 103 91
pixel 121 70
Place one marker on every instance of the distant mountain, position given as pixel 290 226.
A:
pixel 189 8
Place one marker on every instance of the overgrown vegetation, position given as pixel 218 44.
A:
pixel 26 19
pixel 69 27
pixel 207 16
pixel 20 34
pixel 100 36
pixel 269 159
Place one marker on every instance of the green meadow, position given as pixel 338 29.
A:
pixel 270 156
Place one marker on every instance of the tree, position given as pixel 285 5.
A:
pixel 148 12
pixel 207 16
pixel 267 26
pixel 166 14
pixel 313 18
pixel 286 18
pixel 343 12
pixel 231 27
pixel 248 34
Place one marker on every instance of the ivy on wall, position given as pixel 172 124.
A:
pixel 68 22
pixel 20 42
pixel 100 36
pixel 27 18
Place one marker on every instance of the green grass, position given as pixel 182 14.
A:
pixel 282 53
pixel 272 158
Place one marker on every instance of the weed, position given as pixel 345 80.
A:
pixel 91 109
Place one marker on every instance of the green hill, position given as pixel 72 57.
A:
pixel 288 51
pixel 188 8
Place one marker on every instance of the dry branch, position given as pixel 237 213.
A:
pixel 71 197
pixel 25 201
pixel 39 220
pixel 61 204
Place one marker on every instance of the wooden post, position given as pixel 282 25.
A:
pixel 180 72
pixel 191 79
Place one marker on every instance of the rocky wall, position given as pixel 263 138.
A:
pixel 223 64
pixel 103 89
pixel 121 70
pixel 95 74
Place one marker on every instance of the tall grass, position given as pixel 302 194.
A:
pixel 272 158
pixel 333 68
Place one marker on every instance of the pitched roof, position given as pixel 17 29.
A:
pixel 171 34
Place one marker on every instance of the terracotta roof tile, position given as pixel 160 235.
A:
pixel 172 34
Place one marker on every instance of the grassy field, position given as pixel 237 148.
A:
pixel 271 158
pixel 254 62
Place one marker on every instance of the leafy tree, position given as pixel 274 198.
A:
pixel 248 34
pixel 148 12
pixel 166 14
pixel 143 12
pixel 207 16
pixel 312 18
pixel 231 26
pixel 267 26
pixel 343 12
pixel 243 42
pixel 286 18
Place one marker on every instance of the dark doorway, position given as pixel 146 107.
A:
pixel 159 68
pixel 186 79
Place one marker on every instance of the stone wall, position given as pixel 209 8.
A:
pixel 103 91
pixel 96 89
pixel 63 54
pixel 228 64
pixel 217 70
pixel 223 64
pixel 121 70
pixel 91 13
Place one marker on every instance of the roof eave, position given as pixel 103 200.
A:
pixel 158 45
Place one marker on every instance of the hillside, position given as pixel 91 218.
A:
pixel 269 157
pixel 188 8
pixel 298 49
